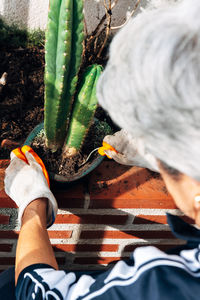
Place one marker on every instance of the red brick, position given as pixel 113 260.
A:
pixel 86 248
pixel 127 234
pixel 8 234
pixel 64 202
pixel 116 186
pixel 91 219
pixel 137 203
pixel 147 219
pixel 74 190
pixel 6 247
pixel 188 220
pixel 60 260
pixel 130 248
pixel 152 219
pixel 59 234
pixel 3 165
pixel 5 201
pixel 96 260
pixel 4 219
pixel 70 196
pixel 7 260
pixel 11 260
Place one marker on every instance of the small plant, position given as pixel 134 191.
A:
pixel 69 106
pixel 11 36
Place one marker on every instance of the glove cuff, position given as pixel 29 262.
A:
pixel 52 207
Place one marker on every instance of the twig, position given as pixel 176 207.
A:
pixel 131 14
pixel 10 144
pixel 89 156
pixel 113 4
pixel 108 17
pixel 95 44
pixel 93 34
pixel 3 79
pixel 96 30
pixel 93 38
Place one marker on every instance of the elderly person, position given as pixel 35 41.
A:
pixel 151 89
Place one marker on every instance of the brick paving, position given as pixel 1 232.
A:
pixel 101 218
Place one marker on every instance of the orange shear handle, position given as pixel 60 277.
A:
pixel 106 146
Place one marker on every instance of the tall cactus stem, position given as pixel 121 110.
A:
pixel 85 105
pixel 63 54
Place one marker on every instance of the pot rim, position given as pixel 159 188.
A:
pixel 54 176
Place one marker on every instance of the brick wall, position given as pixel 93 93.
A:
pixel 100 219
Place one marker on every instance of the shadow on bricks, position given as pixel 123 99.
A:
pixel 100 204
pixel 104 216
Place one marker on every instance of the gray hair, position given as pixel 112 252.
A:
pixel 151 84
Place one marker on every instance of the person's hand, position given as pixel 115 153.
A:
pixel 26 179
pixel 129 151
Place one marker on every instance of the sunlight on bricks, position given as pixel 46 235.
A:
pixel 101 219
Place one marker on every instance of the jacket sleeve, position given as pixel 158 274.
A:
pixel 41 281
pixel 149 274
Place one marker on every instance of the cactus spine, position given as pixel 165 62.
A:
pixel 84 108
pixel 63 55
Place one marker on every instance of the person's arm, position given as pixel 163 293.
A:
pixel 33 244
pixel 27 184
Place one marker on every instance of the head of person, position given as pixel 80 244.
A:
pixel 151 88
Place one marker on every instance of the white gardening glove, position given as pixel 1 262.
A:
pixel 26 179
pixel 129 151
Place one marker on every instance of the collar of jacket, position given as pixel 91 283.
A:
pixel 183 230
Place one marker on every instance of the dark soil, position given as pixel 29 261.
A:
pixel 22 108
pixel 21 98
pixel 70 167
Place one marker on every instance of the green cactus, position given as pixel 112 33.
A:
pixel 83 112
pixel 63 55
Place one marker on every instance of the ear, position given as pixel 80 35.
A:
pixel 197 202
pixel 197 209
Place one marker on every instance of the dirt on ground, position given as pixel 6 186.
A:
pixel 22 96
pixel 22 108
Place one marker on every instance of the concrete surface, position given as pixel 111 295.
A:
pixel 32 14
pixel 25 13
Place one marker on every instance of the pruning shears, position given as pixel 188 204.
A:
pixel 105 146
pixel 101 150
